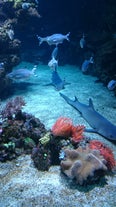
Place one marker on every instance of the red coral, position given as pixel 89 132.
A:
pixel 105 151
pixel 77 133
pixel 62 127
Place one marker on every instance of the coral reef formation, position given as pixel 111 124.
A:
pixel 105 151
pixel 77 133
pixel 19 131
pixel 14 17
pixel 12 107
pixel 85 165
pixel 64 127
pixel 82 159
pixel 41 157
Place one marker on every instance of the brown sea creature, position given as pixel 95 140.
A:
pixel 85 165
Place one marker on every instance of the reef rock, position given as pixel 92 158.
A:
pixel 84 165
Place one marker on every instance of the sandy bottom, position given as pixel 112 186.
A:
pixel 21 184
pixel 45 102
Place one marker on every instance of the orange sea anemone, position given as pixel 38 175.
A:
pixel 77 133
pixel 62 127
pixel 105 151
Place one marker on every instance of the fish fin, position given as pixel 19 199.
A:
pixel 91 104
pixel 48 84
pixel 76 99
pixel 90 130
pixel 40 39
pixel 67 36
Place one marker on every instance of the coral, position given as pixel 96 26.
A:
pixel 19 135
pixel 105 151
pixel 28 143
pixel 62 127
pixel 45 139
pixel 33 12
pixel 12 107
pixel 77 133
pixel 65 128
pixel 85 165
pixel 41 158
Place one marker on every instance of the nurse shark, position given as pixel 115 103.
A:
pixel 99 123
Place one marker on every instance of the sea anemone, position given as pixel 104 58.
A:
pixel 62 127
pixel 77 133
pixel 105 151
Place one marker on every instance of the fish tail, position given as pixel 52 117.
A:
pixel 40 39
pixel 33 70
pixel 67 36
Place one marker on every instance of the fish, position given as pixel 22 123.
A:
pixel 1 65
pixel 26 5
pixel 82 41
pixel 85 65
pixel 111 85
pixel 21 74
pixel 53 63
pixel 10 33
pixel 54 39
pixel 57 82
pixel 99 124
pixel 55 52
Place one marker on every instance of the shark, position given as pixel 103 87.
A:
pixel 57 82
pixel 99 124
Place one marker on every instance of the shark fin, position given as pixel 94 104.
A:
pixel 76 99
pixel 91 104
pixel 90 130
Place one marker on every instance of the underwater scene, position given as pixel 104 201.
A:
pixel 57 103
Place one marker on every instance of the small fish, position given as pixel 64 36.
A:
pixel 54 39
pixel 10 34
pixel 21 74
pixel 53 63
pixel 26 5
pixel 82 41
pixel 111 85
pixel 1 65
pixel 85 65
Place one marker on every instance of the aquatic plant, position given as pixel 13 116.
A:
pixel 12 107
pixel 84 165
pixel 105 151
pixel 62 127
